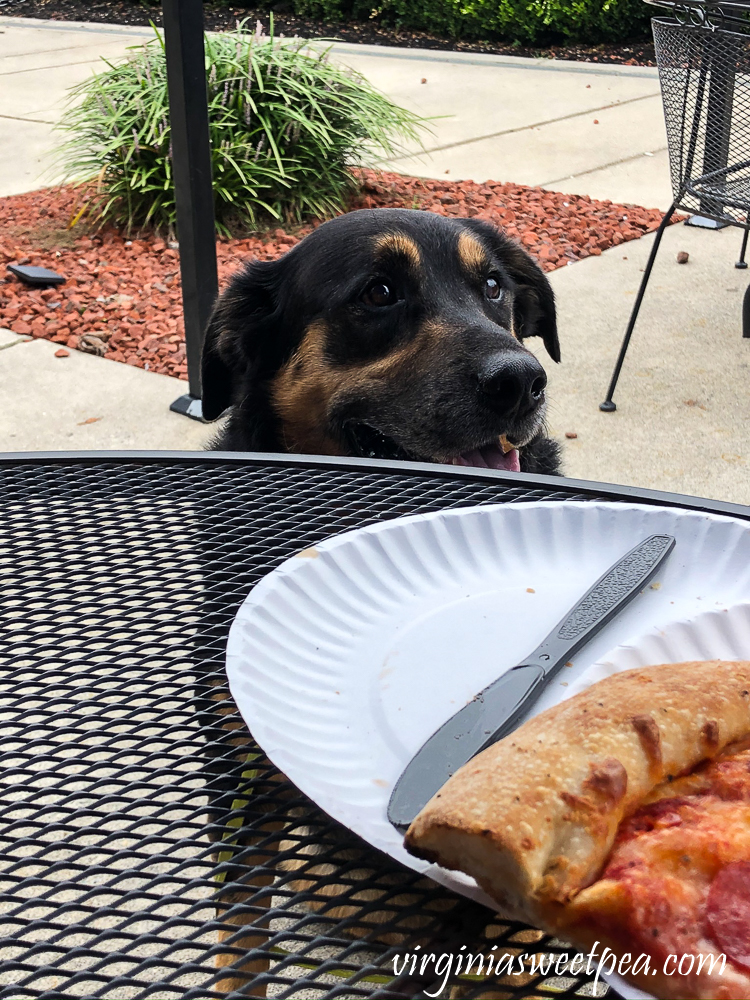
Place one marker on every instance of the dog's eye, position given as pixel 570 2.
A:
pixel 378 294
pixel 492 288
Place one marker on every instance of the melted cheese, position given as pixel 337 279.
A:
pixel 651 897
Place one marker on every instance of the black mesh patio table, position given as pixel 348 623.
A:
pixel 147 847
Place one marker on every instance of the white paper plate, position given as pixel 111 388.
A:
pixel 722 634
pixel 346 658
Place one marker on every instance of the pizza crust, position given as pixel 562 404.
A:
pixel 534 817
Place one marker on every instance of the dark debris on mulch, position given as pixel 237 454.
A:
pixel 639 52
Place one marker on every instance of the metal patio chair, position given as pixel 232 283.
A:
pixel 703 56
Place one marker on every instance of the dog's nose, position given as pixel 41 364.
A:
pixel 513 382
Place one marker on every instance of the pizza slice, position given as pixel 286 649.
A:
pixel 620 816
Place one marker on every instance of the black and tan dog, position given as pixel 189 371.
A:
pixel 387 333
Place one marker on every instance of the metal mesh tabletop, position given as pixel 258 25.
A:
pixel 147 848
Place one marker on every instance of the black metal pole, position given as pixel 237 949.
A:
pixel 742 263
pixel 191 166
pixel 746 313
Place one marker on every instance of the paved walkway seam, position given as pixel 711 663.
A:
pixel 605 166
pixel 20 118
pixel 526 128
pixel 14 343
pixel 35 69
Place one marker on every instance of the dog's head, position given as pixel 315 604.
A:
pixel 387 333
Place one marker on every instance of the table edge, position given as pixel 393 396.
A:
pixel 633 494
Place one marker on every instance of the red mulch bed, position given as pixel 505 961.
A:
pixel 122 300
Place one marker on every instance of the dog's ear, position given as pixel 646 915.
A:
pixel 237 336
pixel 534 313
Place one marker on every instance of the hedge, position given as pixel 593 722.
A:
pixel 527 21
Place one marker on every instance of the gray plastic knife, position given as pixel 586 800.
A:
pixel 496 710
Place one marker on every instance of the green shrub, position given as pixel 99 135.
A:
pixel 287 127
pixel 528 21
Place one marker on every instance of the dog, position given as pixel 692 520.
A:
pixel 387 333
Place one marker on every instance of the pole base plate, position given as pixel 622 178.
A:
pixel 188 406
pixel 703 223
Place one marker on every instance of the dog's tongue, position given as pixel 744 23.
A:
pixel 491 457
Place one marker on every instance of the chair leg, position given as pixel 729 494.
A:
pixel 746 313
pixel 742 263
pixel 608 406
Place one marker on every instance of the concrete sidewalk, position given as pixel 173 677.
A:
pixel 573 127
pixel 494 117
pixel 82 402
pixel 683 408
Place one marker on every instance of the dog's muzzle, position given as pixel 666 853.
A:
pixel 513 385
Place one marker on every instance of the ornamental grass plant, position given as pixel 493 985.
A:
pixel 288 129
